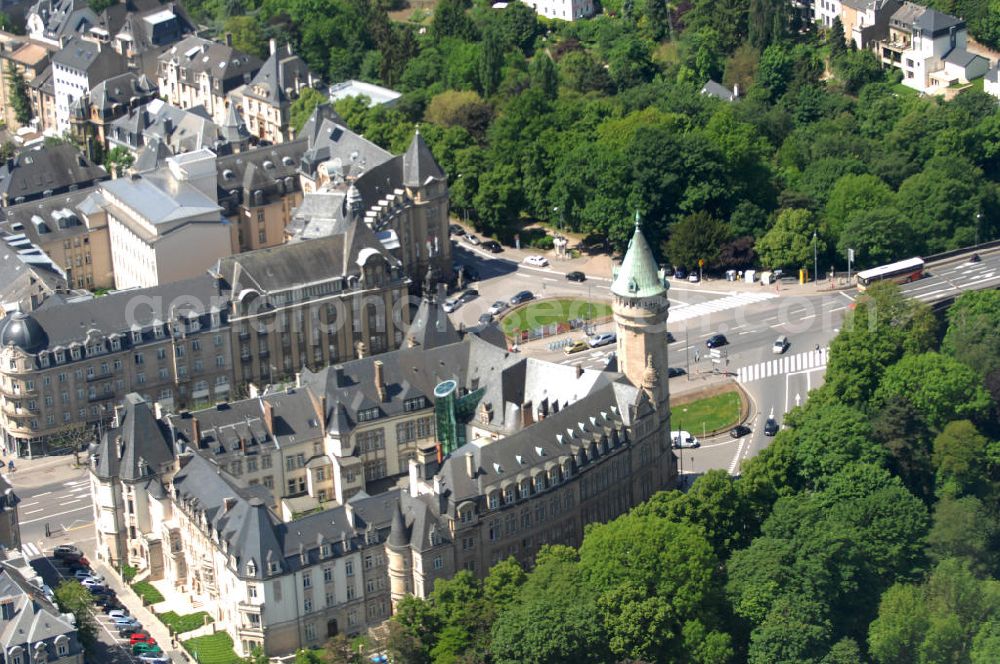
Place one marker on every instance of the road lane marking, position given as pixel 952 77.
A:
pixel 41 509
pixel 52 516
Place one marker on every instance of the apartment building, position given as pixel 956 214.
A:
pixel 92 116
pixel 72 230
pixel 17 55
pixel 42 94
pixel 157 123
pixel 258 190
pixel 76 69
pixel 201 72
pixel 156 218
pixel 267 100
pixel 42 171
pixel 513 453
pixel 32 629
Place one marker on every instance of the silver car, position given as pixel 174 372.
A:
pixel 498 307
pixel 602 339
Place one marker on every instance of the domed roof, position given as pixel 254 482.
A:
pixel 23 331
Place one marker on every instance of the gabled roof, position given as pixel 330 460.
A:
pixel 718 91
pixel 282 72
pixel 935 22
pixel 138 447
pixel 35 618
pixel 40 168
pixel 962 58
pixel 419 164
pixel 431 326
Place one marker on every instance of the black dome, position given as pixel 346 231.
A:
pixel 23 331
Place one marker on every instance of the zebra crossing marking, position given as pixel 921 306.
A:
pixel 686 312
pixel 31 550
pixel 808 361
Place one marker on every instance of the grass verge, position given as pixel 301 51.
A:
pixel 183 623
pixel 713 413
pixel 213 649
pixel 554 311
pixel 148 592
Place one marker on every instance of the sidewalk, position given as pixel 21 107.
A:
pixel 133 603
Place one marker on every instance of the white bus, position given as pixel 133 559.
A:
pixel 900 272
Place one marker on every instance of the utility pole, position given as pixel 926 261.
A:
pixel 687 351
pixel 815 260
pixel 979 218
pixel 850 259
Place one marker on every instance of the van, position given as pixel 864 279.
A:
pixel 780 345
pixel 683 439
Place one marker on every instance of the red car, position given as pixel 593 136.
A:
pixel 141 637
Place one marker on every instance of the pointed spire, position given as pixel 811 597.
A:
pixel 419 164
pixel 639 275
pixel 397 531
pixel 637 219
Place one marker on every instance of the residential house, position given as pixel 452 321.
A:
pixel 41 92
pixel 719 91
pixel 32 628
pixel 46 170
pixel 866 22
pixel 267 100
pixel 140 30
pixel 178 130
pixel 91 116
pixel 55 22
pixel 76 69
pixel 200 72
pixel 566 10
pixel 17 55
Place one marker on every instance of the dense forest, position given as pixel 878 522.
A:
pixel 579 124
pixel 869 531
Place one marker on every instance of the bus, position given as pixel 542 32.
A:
pixel 900 272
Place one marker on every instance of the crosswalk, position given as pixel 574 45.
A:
pixel 681 312
pixel 30 550
pixel 813 359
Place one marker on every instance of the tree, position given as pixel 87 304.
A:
pixel 696 237
pixel 895 636
pixel 940 203
pixel 899 427
pixel 465 109
pixel 960 459
pixel 490 62
pixel 75 598
pixel 973 334
pixel 118 160
pixel 856 69
pixel 938 386
pixel 963 528
pixel 517 24
pixel 789 243
pixel 257 656
pixel 502 583
pixel 852 193
pixel 544 75
pixel 767 23
pixel 877 236
pixel 450 20
pixel 247 35
pixel 338 650
pixel 302 108
pixel 19 96
pixel 655 19
pixel 837 39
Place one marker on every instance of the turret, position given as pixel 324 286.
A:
pixel 397 551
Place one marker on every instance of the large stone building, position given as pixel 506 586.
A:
pixel 311 511
pixel 267 100
pixel 76 69
pixel 42 171
pixel 32 629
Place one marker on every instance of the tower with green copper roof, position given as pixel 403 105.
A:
pixel 639 301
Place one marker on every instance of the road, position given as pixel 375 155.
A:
pixel 751 319
pixel 53 492
pixel 949 280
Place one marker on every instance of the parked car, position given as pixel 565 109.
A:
pixel 109 604
pixel 693 278
pixel 492 246
pixel 780 345
pixel 485 318
pixel 576 347
pixel 680 274
pixel 683 439
pixel 739 431
pixel 128 630
pixel 471 239
pixel 602 339
pixel 87 574
pixel 118 613
pixel 670 337
pixel 974 258
pixel 576 275
pixel 67 551
pixel 771 427
pixel 140 637
pixel 144 647
pixel 521 298
pixel 153 658
pixel 716 340
pixel 455 229
pixel 536 260
pixel 674 372
pixel 498 307
pixel 125 621
pixel 468 295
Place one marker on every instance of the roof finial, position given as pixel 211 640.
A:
pixel 416 130
pixel 637 219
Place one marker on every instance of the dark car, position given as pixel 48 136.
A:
pixel 492 246
pixel 111 604
pixel 455 229
pixel 468 295
pixel 716 340
pixel 674 372
pixel 770 427
pixel 485 318
pixel 127 630
pixel 680 273
pixel 670 338
pixel 668 271
pixel 67 552
pixel 469 273
pixel 739 431
pixel 576 275
pixel 521 298
pixel 975 258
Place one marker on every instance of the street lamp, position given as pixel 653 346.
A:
pixel 979 218
pixel 815 259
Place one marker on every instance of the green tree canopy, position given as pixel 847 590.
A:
pixel 789 243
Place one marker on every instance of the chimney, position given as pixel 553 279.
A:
pixel 204 48
pixel 195 432
pixel 338 373
pixel 470 467
pixel 268 415
pixel 380 380
pixel 579 370
pixel 272 46
pixel 229 39
pixel 228 503
pixel 298 379
pixel 322 414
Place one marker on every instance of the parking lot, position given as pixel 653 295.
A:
pixel 114 623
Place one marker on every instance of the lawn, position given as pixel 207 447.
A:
pixel 213 649
pixel 147 591
pixel 547 312
pixel 709 414
pixel 904 91
pixel 185 623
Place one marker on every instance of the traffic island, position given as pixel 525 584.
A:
pixel 711 411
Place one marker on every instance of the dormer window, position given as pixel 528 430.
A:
pixel 525 488
pixel 494 500
pixel 324 551
pixel 137 336
pixel 75 352
pixel 368 414
pixel 272 567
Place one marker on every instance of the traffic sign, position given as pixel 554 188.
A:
pixel 701 262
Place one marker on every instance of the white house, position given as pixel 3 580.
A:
pixel 76 69
pixel 567 10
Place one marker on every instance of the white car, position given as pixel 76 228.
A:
pixel 498 307
pixel 693 278
pixel 536 260
pixel 118 613
pixel 452 304
pixel 80 575
pixel 471 239
pixel 683 439
pixel 602 339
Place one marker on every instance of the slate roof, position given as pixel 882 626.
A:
pixel 43 168
pixel 271 170
pixel 638 275
pixel 138 447
pixel 993 74
pixel 179 130
pixel 123 90
pixel 933 22
pixel 54 217
pixel 431 326
pixel 160 202
pixel 35 619
pixel 419 164
pixel 717 90
pixel 99 63
pixel 962 58
pixel 27 274
pixel 234 130
pixel 223 63
pixel 64 18
pixel 282 72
